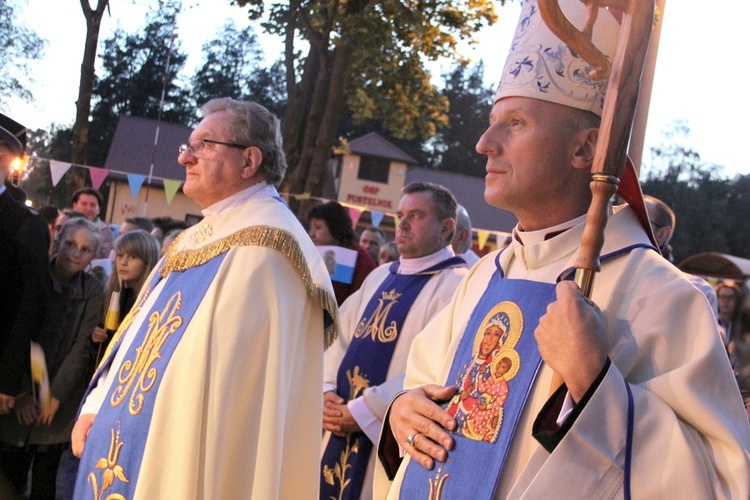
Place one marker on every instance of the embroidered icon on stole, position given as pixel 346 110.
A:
pixel 482 385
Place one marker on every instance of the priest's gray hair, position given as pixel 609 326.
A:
pixel 253 125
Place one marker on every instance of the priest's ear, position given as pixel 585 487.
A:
pixel 585 146
pixel 253 158
pixel 448 229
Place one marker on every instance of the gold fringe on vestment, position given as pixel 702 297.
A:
pixel 263 236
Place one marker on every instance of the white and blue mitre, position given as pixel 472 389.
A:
pixel 541 66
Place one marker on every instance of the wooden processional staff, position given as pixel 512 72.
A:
pixel 617 116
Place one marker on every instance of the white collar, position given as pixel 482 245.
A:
pixel 531 238
pixel 623 230
pixel 256 191
pixel 413 266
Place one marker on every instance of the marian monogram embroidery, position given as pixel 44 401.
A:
pixel 137 377
pixel 375 326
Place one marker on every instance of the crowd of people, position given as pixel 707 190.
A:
pixel 88 280
pixel 71 313
pixel 230 359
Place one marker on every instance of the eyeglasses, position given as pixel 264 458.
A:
pixel 196 146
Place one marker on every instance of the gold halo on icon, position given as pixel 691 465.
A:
pixel 515 317
pixel 515 361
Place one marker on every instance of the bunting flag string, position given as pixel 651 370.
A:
pixel 170 188
pixel 482 237
pixel 58 169
pixel 355 213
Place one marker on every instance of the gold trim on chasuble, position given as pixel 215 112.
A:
pixel 262 236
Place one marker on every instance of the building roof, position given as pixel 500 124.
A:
pixel 133 148
pixel 374 144
pixel 469 192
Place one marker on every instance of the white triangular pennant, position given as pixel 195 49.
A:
pixel 57 169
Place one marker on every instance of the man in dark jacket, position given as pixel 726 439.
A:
pixel 24 241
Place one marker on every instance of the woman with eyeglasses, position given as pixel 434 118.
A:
pixel 34 436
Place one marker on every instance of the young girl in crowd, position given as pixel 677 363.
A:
pixel 34 436
pixel 136 254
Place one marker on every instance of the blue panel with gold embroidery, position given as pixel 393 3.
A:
pixel 366 364
pixel 493 369
pixel 114 448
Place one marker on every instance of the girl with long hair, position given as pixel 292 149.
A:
pixel 136 254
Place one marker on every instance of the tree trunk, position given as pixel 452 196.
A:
pixel 320 97
pixel 296 119
pixel 321 150
pixel 83 104
pixel 301 124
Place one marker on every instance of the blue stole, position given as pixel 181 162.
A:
pixel 493 369
pixel 492 389
pixel 365 364
pixel 111 460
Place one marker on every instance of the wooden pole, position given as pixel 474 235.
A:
pixel 617 116
pixel 638 135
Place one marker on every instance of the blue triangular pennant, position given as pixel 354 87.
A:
pixel 377 218
pixel 135 181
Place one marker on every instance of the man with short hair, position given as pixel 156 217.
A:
pixel 24 240
pixel 133 223
pixel 463 238
pixel 648 404
pixel 371 240
pixel 211 386
pixel 365 367
pixel 88 200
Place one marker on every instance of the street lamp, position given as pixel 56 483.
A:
pixel 17 167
